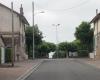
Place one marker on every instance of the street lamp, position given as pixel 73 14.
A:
pixel 56 25
pixel 33 28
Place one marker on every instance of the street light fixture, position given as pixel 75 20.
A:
pixel 56 25
pixel 33 28
pixel 38 12
pixel 42 12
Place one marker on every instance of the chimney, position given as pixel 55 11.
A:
pixel 21 10
pixel 96 11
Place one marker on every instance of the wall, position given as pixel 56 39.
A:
pixel 6 26
pixel 6 20
pixel 97 39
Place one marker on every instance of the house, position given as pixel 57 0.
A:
pixel 95 22
pixel 20 23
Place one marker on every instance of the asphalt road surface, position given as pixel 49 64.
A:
pixel 65 70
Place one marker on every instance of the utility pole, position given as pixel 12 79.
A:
pixel 57 51
pixel 33 14
pixel 33 31
pixel 57 40
pixel 13 52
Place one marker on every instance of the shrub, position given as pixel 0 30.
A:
pixel 83 53
pixel 60 54
pixel 0 55
pixel 8 55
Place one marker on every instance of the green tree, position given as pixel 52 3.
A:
pixel 45 48
pixel 29 39
pixel 84 33
pixel 37 35
pixel 72 46
pixel 65 48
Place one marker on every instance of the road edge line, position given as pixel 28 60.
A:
pixel 29 71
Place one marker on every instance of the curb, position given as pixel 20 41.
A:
pixel 29 71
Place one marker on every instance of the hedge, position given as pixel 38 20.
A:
pixel 8 55
pixel 83 53
pixel 0 55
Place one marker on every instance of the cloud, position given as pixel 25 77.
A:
pixel 55 13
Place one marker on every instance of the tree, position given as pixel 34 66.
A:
pixel 37 35
pixel 45 48
pixel 72 47
pixel 62 50
pixel 65 48
pixel 29 39
pixel 84 33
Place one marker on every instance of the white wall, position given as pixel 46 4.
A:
pixel 6 20
pixel 97 23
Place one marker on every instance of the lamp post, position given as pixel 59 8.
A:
pixel 57 38
pixel 33 14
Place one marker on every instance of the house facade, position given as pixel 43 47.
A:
pixel 19 31
pixel 96 25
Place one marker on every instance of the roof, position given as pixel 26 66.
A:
pixel 95 18
pixel 21 16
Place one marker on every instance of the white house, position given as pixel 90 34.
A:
pixel 19 31
pixel 95 22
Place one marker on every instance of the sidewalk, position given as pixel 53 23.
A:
pixel 95 63
pixel 9 73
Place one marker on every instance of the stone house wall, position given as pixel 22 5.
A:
pixel 6 27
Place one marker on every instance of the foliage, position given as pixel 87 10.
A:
pixel 29 39
pixel 72 47
pixel 83 51
pixel 8 55
pixel 0 55
pixel 60 54
pixel 84 34
pixel 62 50
pixel 52 47
pixel 42 48
pixel 37 35
pixel 83 43
pixel 65 48
pixel 45 48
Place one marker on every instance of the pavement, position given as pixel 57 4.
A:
pixel 52 69
pixel 20 71
pixel 92 62
pixel 65 69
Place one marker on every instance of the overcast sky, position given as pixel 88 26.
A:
pixel 68 13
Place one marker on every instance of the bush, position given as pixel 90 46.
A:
pixel 60 54
pixel 83 53
pixel 0 55
pixel 8 55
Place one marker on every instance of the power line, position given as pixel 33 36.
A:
pixel 73 7
pixel 78 5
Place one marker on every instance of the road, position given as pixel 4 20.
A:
pixel 66 69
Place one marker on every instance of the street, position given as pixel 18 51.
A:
pixel 65 69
